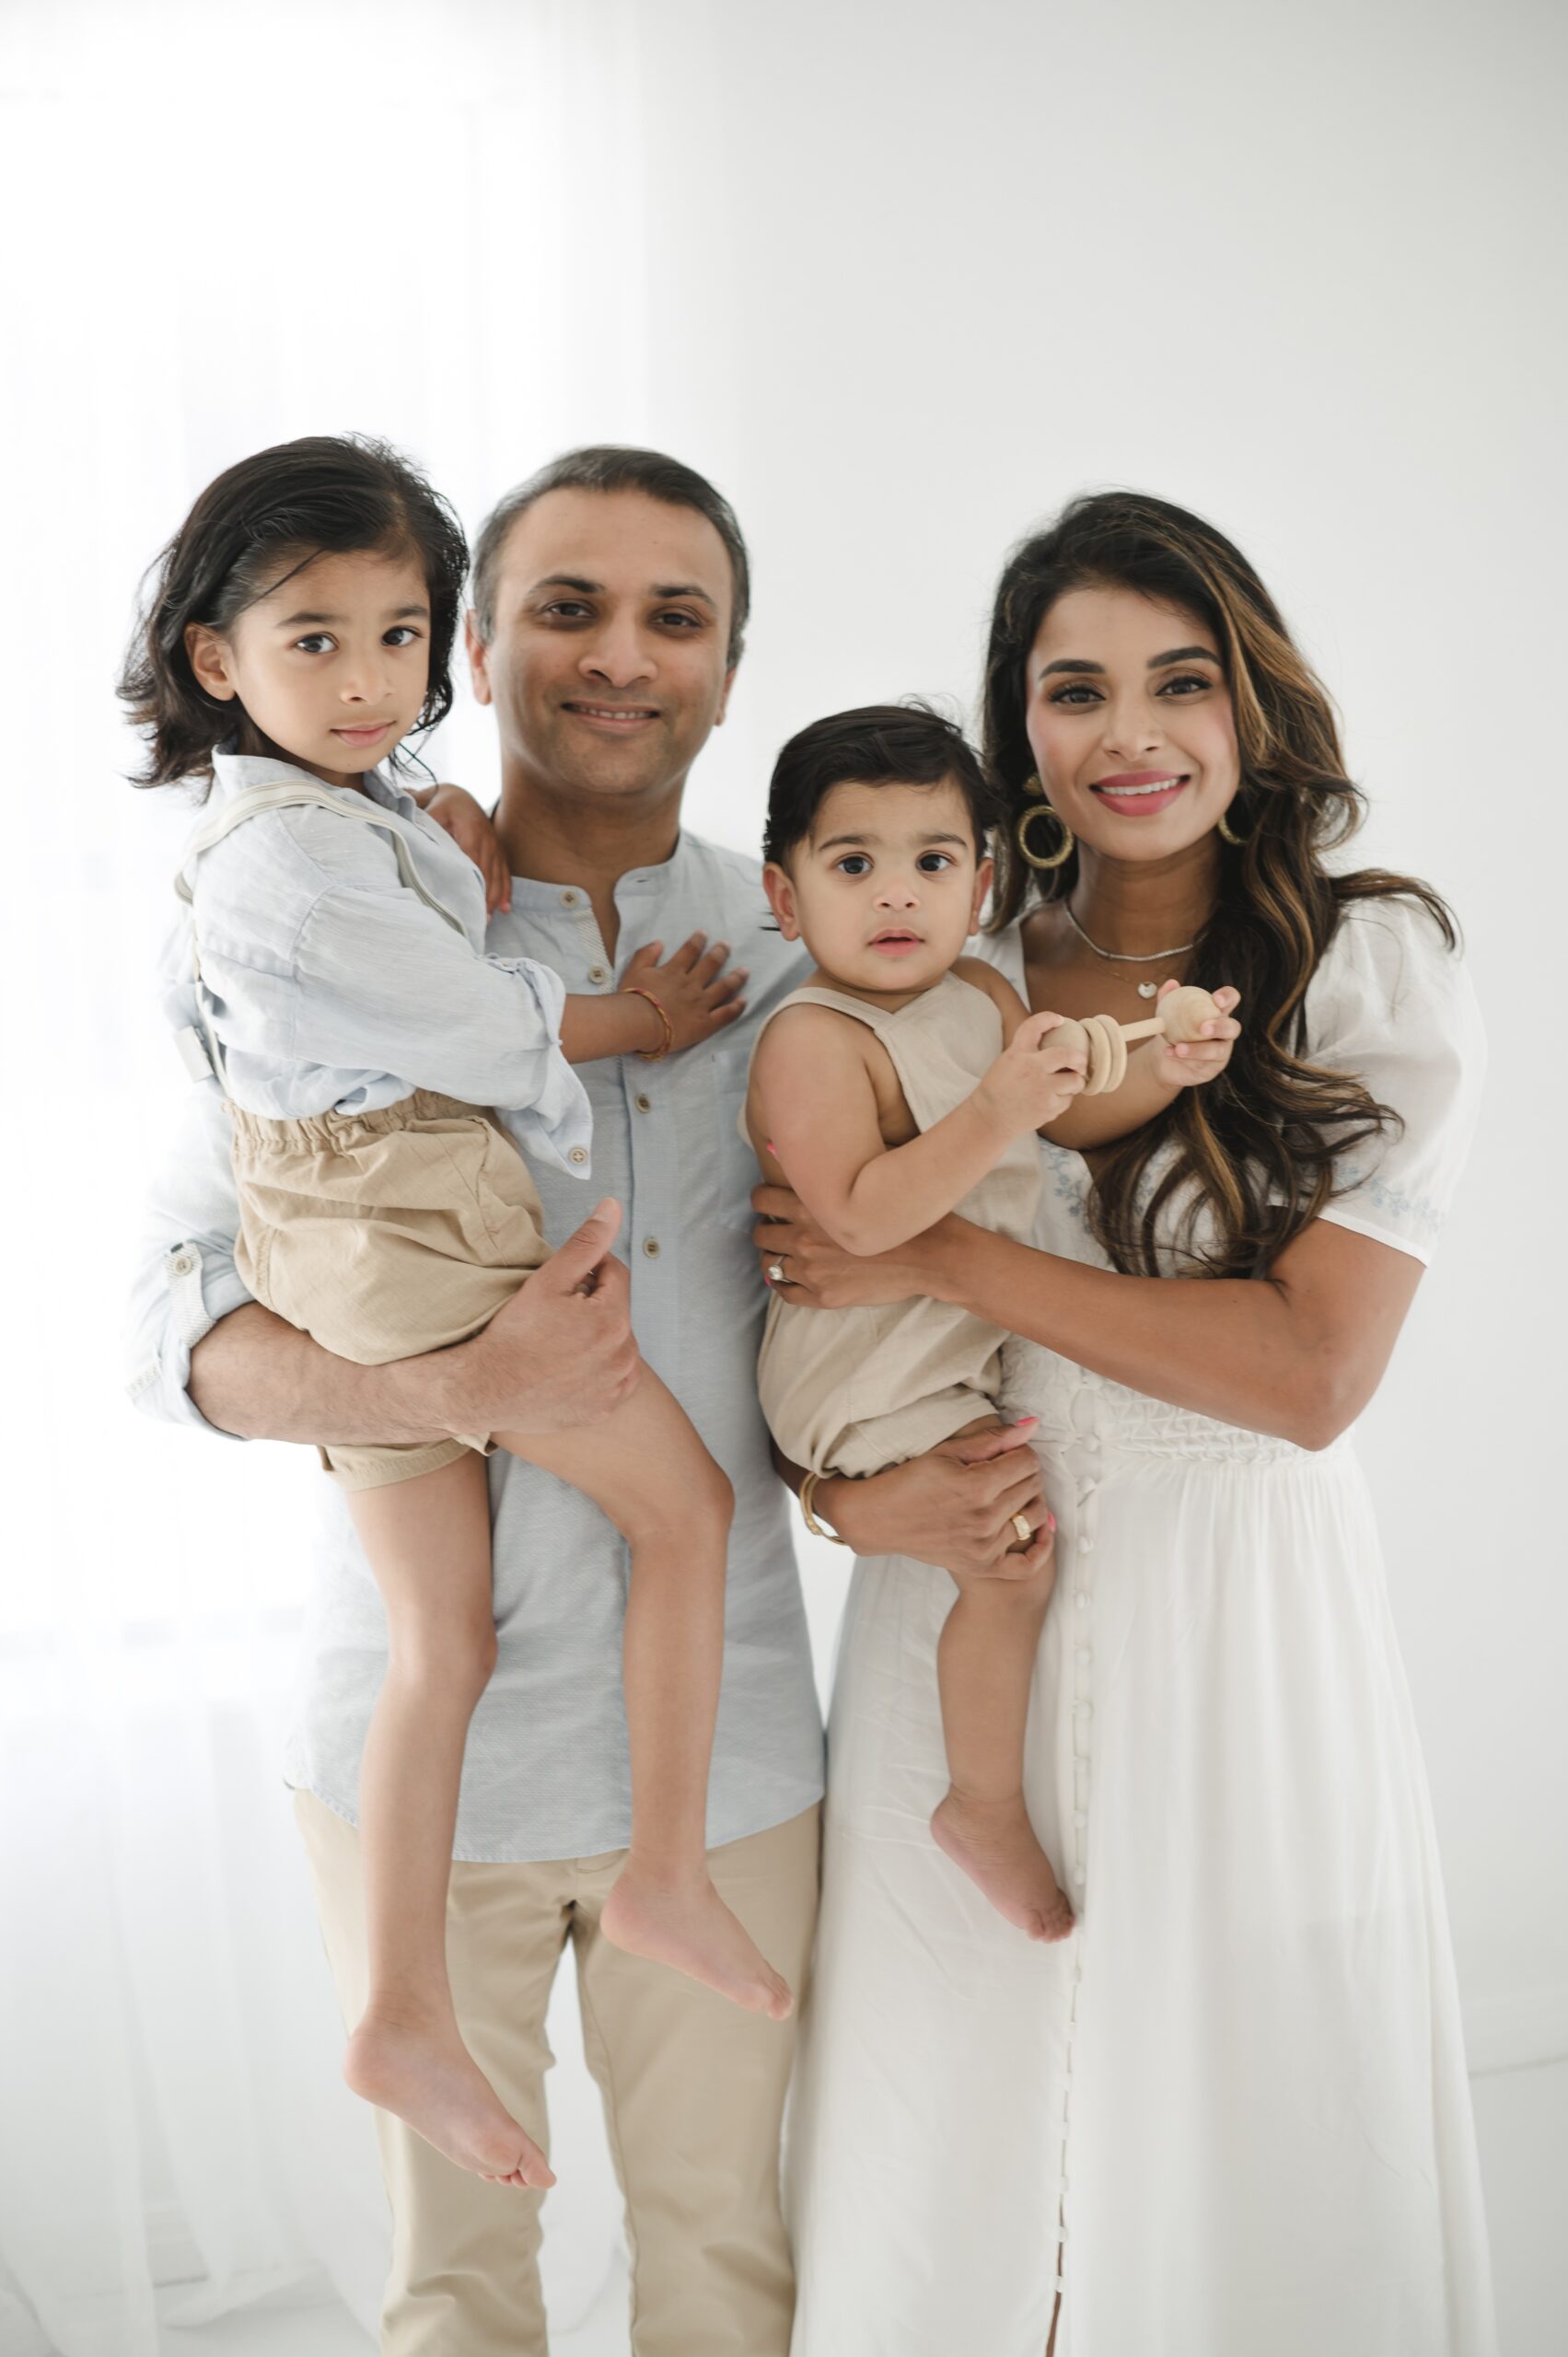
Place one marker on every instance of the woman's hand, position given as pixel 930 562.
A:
pixel 468 823
pixel 697 995
pixel 818 1272
pixel 1185 1064
pixel 952 1508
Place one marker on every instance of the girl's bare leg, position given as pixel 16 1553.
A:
pixel 985 1660
pixel 646 1468
pixel 429 1543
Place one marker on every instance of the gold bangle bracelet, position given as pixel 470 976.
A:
pixel 818 1529
pixel 652 1056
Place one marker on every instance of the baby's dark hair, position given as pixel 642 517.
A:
pixel 880 744
pixel 326 494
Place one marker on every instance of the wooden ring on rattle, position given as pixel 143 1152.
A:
pixel 1182 1014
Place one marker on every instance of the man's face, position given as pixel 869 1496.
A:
pixel 609 665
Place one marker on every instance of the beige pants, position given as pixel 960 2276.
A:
pixel 693 2093
pixel 386 1235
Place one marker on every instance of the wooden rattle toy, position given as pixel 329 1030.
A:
pixel 1181 1016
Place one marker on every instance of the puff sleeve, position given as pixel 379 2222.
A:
pixel 1392 1004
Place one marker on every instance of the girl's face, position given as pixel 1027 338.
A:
pixel 332 665
pixel 886 889
pixel 1129 721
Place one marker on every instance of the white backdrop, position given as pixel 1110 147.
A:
pixel 899 281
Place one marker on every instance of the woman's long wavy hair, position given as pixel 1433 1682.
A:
pixel 259 521
pixel 1256 1146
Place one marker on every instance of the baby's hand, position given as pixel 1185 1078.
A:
pixel 1185 1064
pixel 698 999
pixel 1033 1083
pixel 469 825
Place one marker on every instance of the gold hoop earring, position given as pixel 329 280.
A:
pixel 1069 844
pixel 1228 834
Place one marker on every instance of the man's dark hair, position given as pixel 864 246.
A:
pixel 613 466
pixel 880 744
pixel 267 516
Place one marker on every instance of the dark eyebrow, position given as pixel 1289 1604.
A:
pixel 596 588
pixel 398 614
pixel 943 835
pixel 683 589
pixel 1178 655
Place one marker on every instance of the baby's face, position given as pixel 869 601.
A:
pixel 887 888
pixel 332 665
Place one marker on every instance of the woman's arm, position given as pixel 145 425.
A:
pixel 1297 1354
pixel 952 1508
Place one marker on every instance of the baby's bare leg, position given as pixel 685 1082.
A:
pixel 644 1466
pixel 984 1668
pixel 428 1544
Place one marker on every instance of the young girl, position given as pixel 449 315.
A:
pixel 300 625
pixel 905 1082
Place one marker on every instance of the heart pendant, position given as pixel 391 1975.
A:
pixel 1148 990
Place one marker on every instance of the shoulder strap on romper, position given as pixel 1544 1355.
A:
pixel 201 1051
pixel 874 1017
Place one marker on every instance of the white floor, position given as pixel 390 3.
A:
pixel 1523 2121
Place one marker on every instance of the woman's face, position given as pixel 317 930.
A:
pixel 1129 721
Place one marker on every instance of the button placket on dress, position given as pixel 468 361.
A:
pixel 1080 1460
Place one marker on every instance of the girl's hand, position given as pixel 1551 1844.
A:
pixel 816 1271
pixel 699 998
pixel 469 825
pixel 1031 1082
pixel 952 1508
pixel 1185 1064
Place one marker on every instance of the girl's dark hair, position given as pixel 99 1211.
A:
pixel 269 516
pixel 1258 1145
pixel 880 744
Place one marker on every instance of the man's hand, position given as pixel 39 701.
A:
pixel 699 997
pixel 559 1354
pixel 952 1508
pixel 469 825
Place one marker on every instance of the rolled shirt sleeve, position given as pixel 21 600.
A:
pixel 378 981
pixel 185 1278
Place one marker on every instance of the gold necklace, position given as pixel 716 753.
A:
pixel 1125 957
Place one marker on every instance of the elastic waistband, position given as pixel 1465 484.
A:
pixel 336 1130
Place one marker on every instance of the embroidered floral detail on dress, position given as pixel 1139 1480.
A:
pixel 1417 1210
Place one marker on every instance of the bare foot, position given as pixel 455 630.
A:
pixel 690 1928
pixel 994 1843
pixel 424 2072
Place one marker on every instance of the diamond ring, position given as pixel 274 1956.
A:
pixel 775 1272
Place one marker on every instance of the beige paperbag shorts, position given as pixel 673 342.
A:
pixel 385 1234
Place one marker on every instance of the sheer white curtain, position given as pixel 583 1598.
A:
pixel 226 226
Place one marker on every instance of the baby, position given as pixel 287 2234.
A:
pixel 906 1081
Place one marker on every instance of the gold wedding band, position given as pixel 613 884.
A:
pixel 1022 1528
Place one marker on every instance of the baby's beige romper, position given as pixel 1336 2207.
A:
pixel 855 1390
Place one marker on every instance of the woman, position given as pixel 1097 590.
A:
pixel 1229 2115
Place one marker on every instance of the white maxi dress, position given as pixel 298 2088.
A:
pixel 1235 2098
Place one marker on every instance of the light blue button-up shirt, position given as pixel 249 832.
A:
pixel 545 1774
pixel 332 985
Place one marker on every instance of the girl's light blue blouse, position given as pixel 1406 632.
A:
pixel 334 988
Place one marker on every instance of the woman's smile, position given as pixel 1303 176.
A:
pixel 1138 794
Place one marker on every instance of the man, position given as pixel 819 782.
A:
pixel 610 601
